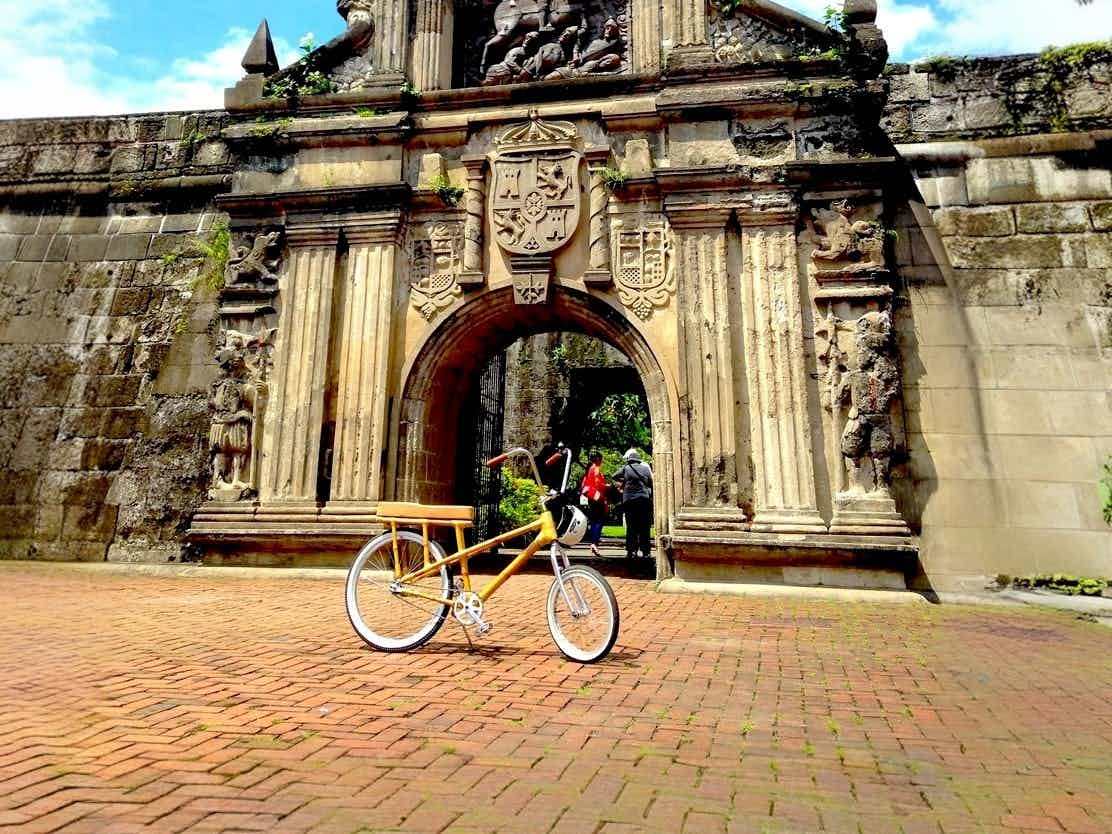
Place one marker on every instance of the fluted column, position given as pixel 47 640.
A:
pixel 708 394
pixel 432 50
pixel 784 472
pixel 367 324
pixel 646 35
pixel 292 431
pixel 391 37
pixel 686 23
pixel 474 206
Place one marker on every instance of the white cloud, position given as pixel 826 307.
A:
pixel 55 66
pixel 980 27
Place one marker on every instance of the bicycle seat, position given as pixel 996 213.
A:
pixel 417 513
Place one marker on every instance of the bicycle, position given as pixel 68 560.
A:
pixel 399 591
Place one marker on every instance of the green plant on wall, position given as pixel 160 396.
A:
pixel 213 250
pixel 304 78
pixel 449 194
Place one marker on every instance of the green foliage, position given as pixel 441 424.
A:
pixel 365 112
pixel 520 501
pixel 613 178
pixel 410 94
pixel 834 18
pixel 558 359
pixel 1105 487
pixel 1062 583
pixel 942 67
pixel 305 78
pixel 1053 76
pixel 1077 55
pixel 449 194
pixel 731 7
pixel 621 422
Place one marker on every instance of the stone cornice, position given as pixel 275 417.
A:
pixel 698 216
pixel 312 236
pixel 374 228
pixel 356 198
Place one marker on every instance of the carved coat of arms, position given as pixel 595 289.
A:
pixel 536 202
pixel 645 269
pixel 435 268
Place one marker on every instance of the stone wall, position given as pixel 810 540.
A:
pixel 946 98
pixel 104 333
pixel 1006 252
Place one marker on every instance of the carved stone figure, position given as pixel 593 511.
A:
pixel 513 67
pixel 869 391
pixel 357 14
pixel 236 398
pixel 255 264
pixel 553 55
pixel 844 245
pixel 602 55
pixel 514 18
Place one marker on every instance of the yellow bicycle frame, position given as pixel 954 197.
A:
pixel 544 527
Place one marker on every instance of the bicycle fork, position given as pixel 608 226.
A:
pixel 579 608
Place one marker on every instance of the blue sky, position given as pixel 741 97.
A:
pixel 85 57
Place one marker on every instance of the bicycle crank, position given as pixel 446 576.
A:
pixel 467 608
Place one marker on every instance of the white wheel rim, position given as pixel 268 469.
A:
pixel 562 641
pixel 352 599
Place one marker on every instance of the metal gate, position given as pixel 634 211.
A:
pixel 481 436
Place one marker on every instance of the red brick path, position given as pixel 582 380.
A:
pixel 132 703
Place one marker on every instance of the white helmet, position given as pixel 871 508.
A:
pixel 572 526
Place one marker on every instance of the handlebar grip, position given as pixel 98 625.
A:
pixel 498 461
pixel 554 458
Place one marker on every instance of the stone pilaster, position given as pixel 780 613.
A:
pixel 432 50
pixel 708 394
pixel 364 358
pixel 292 431
pixel 391 38
pixel 598 269
pixel 646 35
pixel 784 472
pixel 686 34
pixel 474 206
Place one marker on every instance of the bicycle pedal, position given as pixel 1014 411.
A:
pixel 484 628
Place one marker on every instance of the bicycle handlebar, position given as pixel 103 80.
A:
pixel 498 461
pixel 555 457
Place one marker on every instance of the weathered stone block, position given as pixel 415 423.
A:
pixel 116 390
pixel 998 180
pixel 88 248
pixel 181 223
pixel 1101 213
pixel 1052 217
pixel 975 222
pixel 166 245
pixel 139 224
pixel 103 455
pixel 981 112
pixel 128 247
pixel 9 245
pixel 80 422
pixel 33 248
pixel 59 246
pixel 1021 252
pixel 130 302
pixel 123 423
pixel 56 159
pixel 93 159
pixel 127 160
pixel 1098 250
pixel 82 523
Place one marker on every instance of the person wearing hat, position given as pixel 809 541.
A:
pixel 636 479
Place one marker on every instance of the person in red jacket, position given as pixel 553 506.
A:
pixel 594 490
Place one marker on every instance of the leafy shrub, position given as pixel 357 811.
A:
pixel 520 501
pixel 1062 583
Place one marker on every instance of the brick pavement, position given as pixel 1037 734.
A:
pixel 156 704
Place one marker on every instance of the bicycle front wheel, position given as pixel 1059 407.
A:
pixel 582 614
pixel 390 618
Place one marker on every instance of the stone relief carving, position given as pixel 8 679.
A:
pixel 436 258
pixel 645 271
pixel 518 41
pixel 845 246
pixel 861 387
pixel 256 264
pixel 536 199
pixel 739 37
pixel 237 399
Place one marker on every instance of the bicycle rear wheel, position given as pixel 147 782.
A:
pixel 582 614
pixel 388 620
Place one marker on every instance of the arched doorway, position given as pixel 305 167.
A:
pixel 436 379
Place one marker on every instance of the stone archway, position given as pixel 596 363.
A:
pixel 439 371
